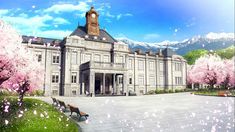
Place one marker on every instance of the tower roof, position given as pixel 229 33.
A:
pixel 103 36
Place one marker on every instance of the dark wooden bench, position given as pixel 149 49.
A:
pixel 76 110
pixel 55 103
pixel 62 104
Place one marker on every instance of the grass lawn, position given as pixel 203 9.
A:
pixel 213 92
pixel 38 116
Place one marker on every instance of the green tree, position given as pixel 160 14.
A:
pixel 227 53
pixel 194 54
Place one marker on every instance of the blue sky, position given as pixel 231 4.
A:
pixel 149 21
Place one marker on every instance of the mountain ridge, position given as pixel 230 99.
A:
pixel 210 41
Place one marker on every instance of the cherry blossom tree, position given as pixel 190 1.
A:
pixel 9 42
pixel 208 69
pixel 19 71
pixel 230 73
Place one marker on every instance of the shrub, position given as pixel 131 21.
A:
pixel 177 90
pixel 151 92
pixel 166 90
pixel 159 91
pixel 171 91
pixel 37 93
pixel 7 93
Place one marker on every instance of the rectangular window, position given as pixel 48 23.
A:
pixel 55 59
pixel 141 65
pixel 120 80
pixel 39 56
pixel 178 66
pixel 87 57
pixel 161 67
pixel 97 58
pixel 178 80
pixel 130 64
pixel 55 78
pixel 130 80
pixel 74 77
pixel 152 81
pixel 106 58
pixel 151 65
pixel 162 81
pixel 74 58
pixel 121 59
pixel 141 80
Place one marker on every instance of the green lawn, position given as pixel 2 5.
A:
pixel 38 116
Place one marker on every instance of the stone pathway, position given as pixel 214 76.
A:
pixel 180 112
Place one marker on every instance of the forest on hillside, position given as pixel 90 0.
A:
pixel 193 55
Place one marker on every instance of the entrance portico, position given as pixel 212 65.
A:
pixel 99 79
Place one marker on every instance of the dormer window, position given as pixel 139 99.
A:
pixel 95 37
pixel 86 36
pixel 104 38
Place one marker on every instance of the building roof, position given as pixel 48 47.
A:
pixel 103 37
pixel 40 40
pixel 167 52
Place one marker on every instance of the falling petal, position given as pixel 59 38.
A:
pixel 20 115
pixel 86 121
pixel 6 122
pixel 41 115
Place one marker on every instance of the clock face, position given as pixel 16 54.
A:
pixel 93 15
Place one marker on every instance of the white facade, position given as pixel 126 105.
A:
pixel 99 65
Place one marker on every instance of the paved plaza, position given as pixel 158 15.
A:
pixel 180 112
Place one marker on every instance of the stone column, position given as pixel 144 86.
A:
pixel 103 86
pixel 114 82
pixel 91 83
pixel 82 85
pixel 124 83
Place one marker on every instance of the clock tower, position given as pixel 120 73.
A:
pixel 92 24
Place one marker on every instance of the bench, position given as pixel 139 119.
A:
pixel 55 103
pixel 76 110
pixel 62 104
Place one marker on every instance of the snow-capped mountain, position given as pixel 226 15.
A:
pixel 210 41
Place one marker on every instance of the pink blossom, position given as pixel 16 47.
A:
pixel 19 70
pixel 208 69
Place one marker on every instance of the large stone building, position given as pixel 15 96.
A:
pixel 91 61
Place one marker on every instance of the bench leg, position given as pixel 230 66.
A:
pixel 71 113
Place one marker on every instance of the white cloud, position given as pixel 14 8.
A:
pixel 3 12
pixel 38 25
pixel 60 20
pixel 23 15
pixel 122 15
pixel 59 8
pixel 212 35
pixel 23 22
pixel 109 15
pixel 151 36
